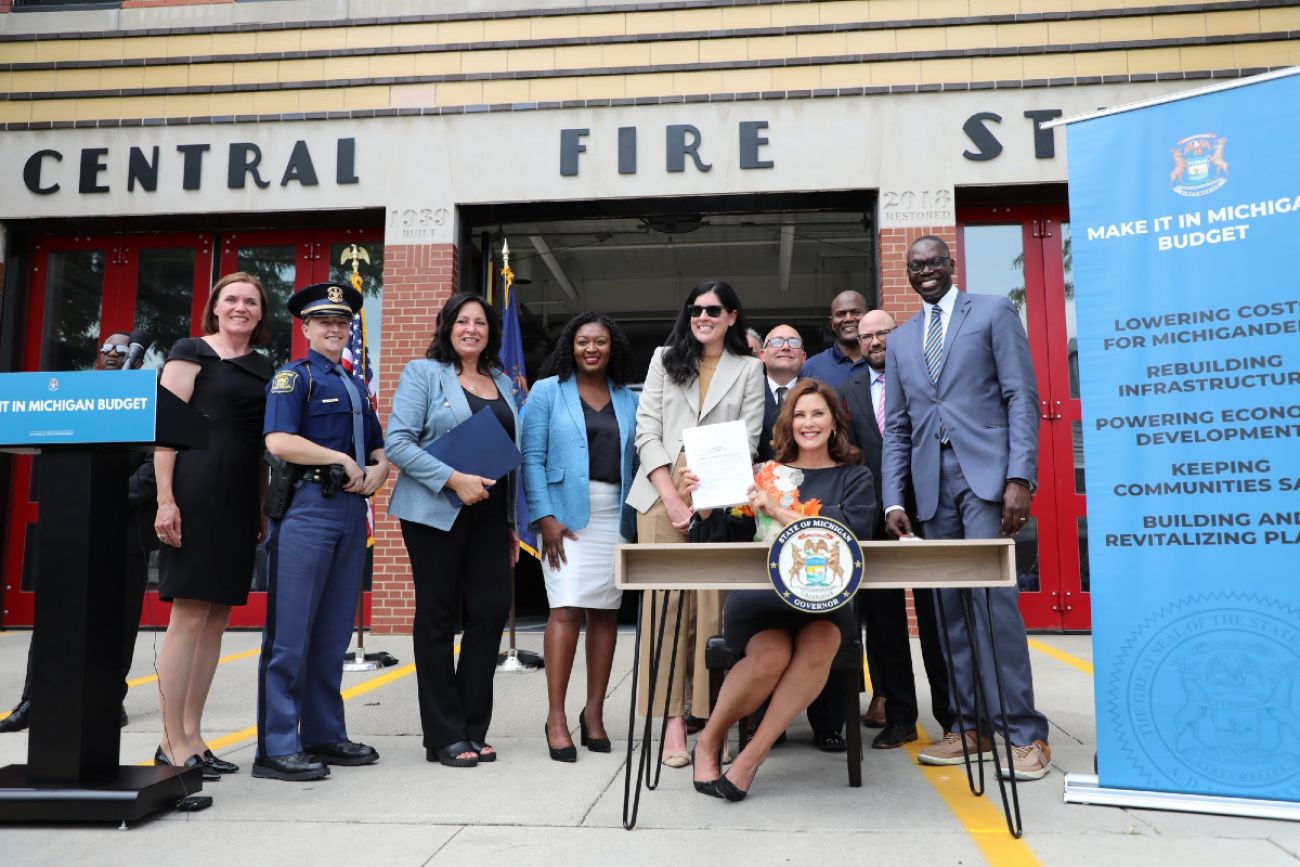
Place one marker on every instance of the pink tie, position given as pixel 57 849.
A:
pixel 880 404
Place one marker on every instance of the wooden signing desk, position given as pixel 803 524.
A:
pixel 952 564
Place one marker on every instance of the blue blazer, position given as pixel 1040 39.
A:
pixel 428 403
pixel 556 464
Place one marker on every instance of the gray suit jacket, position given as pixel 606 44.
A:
pixel 666 409
pixel 986 399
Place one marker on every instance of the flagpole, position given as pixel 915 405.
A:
pixel 514 659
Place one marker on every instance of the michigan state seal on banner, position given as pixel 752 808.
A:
pixel 815 564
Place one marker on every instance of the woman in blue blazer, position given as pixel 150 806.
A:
pixel 471 548
pixel 579 439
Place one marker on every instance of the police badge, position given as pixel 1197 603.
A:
pixel 334 294
pixel 815 565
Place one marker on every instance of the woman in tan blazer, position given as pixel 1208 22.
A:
pixel 703 374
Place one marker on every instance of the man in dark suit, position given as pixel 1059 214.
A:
pixel 961 427
pixel 782 355
pixel 884 612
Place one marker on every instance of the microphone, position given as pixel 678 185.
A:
pixel 139 341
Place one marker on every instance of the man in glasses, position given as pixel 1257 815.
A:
pixel 884 612
pixel 843 359
pixel 782 355
pixel 141 503
pixel 961 427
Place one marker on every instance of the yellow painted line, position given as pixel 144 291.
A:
pixel 1061 656
pixel 981 817
pixel 243 654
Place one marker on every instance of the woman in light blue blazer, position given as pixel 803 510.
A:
pixel 471 548
pixel 579 441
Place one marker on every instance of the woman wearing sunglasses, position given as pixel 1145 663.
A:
pixel 703 374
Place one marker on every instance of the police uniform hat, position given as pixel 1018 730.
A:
pixel 325 299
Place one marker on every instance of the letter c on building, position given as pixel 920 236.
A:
pixel 32 172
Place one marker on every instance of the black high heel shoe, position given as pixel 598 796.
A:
pixel 209 773
pixel 730 791
pixel 559 754
pixel 596 745
pixel 708 787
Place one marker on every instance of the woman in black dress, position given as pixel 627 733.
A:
pixel 788 653
pixel 209 507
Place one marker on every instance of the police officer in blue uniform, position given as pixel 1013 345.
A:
pixel 318 420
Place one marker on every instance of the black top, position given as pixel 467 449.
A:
pixel 847 495
pixel 217 488
pixel 497 497
pixel 603 449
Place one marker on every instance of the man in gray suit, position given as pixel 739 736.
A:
pixel 961 425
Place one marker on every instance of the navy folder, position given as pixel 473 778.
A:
pixel 478 446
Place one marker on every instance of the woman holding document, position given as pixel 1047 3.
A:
pixel 704 374
pixel 578 448
pixel 788 653
pixel 459 528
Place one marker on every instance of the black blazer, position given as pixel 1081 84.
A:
pixel 863 433
pixel 769 419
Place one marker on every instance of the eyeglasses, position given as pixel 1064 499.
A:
pixel 114 349
pixel 778 342
pixel 917 266
pixel 868 336
pixel 698 310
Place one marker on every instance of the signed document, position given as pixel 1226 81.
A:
pixel 719 455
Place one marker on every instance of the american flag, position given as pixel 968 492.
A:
pixel 364 375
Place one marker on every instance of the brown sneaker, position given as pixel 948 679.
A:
pixel 1031 762
pixel 948 751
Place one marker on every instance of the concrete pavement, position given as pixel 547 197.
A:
pixel 525 809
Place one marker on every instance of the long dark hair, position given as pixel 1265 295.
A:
pixel 440 348
pixel 785 450
pixel 560 361
pixel 681 355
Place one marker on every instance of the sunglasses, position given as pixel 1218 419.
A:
pixel 114 349
pixel 778 342
pixel 698 310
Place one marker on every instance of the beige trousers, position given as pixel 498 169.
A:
pixel 701 620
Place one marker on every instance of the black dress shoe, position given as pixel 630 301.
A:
pixel 343 753
pixel 18 718
pixel 210 774
pixel 893 736
pixel 221 766
pixel 829 742
pixel 295 767
pixel 596 745
pixel 559 754
pixel 123 720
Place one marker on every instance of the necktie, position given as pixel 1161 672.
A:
pixel 934 342
pixel 358 434
pixel 780 393
pixel 933 352
pixel 880 404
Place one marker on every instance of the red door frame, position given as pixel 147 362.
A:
pixel 1060 603
pixel 117 313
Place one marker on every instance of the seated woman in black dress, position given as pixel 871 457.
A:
pixel 788 653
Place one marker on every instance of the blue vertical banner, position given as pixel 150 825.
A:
pixel 1183 216
pixel 512 361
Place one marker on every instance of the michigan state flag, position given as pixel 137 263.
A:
pixel 512 361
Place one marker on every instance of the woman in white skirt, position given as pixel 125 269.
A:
pixel 578 443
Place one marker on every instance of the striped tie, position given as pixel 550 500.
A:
pixel 933 352
pixel 934 342
pixel 880 404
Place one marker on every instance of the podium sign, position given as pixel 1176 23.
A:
pixel 1184 214
pixel 42 409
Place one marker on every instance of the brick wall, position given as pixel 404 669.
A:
pixel 418 279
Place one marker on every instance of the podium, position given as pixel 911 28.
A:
pixel 84 424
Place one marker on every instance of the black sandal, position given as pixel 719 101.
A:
pixel 830 743
pixel 450 755
pixel 484 758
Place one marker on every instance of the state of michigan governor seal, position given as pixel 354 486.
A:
pixel 815 564
pixel 1203 696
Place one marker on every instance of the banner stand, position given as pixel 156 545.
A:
pixel 1085 789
